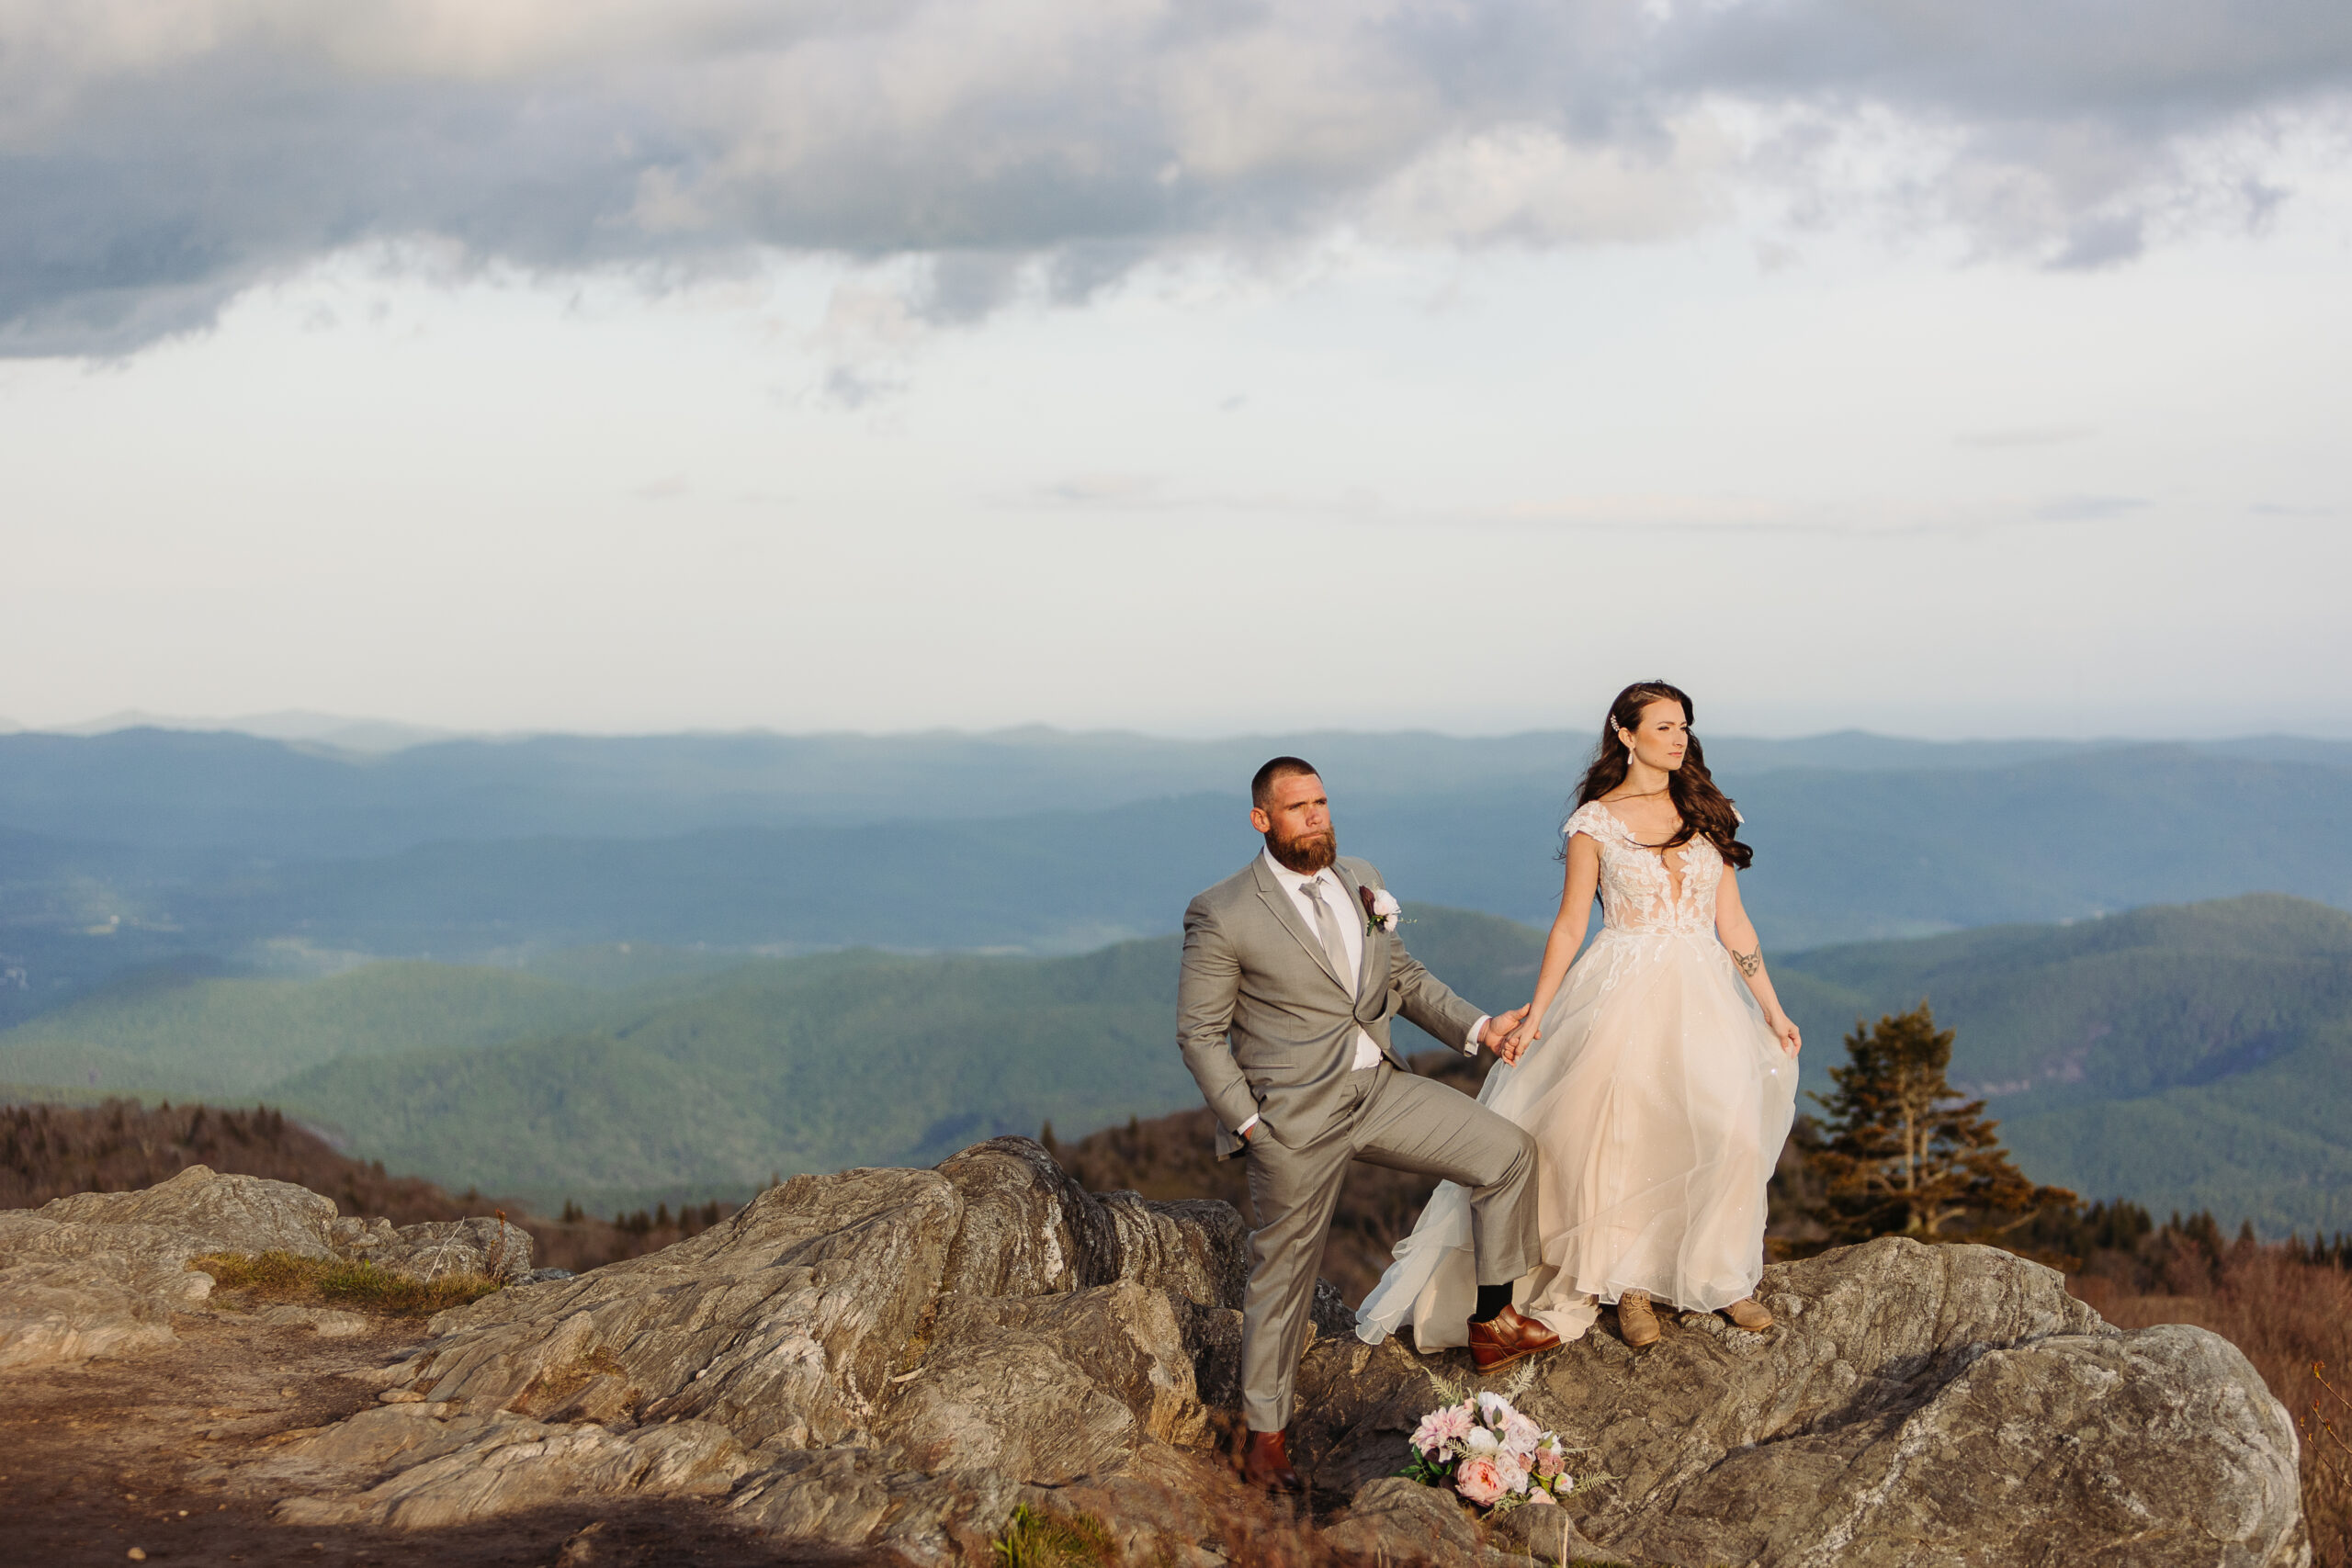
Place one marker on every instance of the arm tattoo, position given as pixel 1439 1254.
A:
pixel 1749 963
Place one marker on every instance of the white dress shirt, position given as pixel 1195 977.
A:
pixel 1351 931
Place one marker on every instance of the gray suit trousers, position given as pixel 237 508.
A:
pixel 1389 1119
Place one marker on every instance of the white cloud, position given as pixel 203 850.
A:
pixel 156 158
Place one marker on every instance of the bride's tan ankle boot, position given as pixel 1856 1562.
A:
pixel 1635 1321
pixel 1749 1314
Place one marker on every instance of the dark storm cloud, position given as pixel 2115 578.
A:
pixel 155 159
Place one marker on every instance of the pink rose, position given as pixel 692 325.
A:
pixel 1478 1480
pixel 1520 1434
pixel 1441 1431
pixel 1512 1471
pixel 1550 1461
pixel 1539 1495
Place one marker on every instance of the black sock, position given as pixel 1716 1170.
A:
pixel 1492 1299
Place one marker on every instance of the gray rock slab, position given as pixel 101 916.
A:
pixel 851 1496
pixel 325 1322
pixel 219 1213
pixel 485 1245
pixel 887 1360
pixel 1027 1229
pixel 1197 1248
pixel 1048 1389
pixel 788 1320
pixel 1917 1405
pixel 480 1467
pixel 1400 1522
pixel 100 1273
pixel 73 1309
pixel 69 1292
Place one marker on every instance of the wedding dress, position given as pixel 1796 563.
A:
pixel 1660 1101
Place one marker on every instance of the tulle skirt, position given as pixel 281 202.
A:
pixel 1660 1101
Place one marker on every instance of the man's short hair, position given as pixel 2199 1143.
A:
pixel 1261 784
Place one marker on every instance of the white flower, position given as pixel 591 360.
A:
pixel 1482 1443
pixel 1384 904
pixel 1494 1409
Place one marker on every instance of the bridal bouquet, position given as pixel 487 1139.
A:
pixel 1491 1454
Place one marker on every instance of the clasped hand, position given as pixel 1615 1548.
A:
pixel 1509 1035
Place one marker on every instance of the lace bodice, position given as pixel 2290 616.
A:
pixel 1637 891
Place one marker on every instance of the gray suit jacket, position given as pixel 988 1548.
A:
pixel 1264 1024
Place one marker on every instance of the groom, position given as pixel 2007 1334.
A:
pixel 1290 977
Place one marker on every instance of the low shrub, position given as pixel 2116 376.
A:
pixel 334 1281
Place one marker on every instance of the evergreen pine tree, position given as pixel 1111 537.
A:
pixel 1903 1154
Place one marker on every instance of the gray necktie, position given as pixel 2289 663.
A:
pixel 1327 927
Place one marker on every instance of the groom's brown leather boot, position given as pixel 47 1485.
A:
pixel 1265 1463
pixel 1506 1337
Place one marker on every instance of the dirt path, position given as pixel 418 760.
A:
pixel 111 1458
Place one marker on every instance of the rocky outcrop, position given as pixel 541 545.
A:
pixel 66 1295
pixel 1917 1404
pixel 900 1355
pixel 895 1353
pixel 100 1273
pixel 446 1468
pixel 485 1244
pixel 212 1213
pixel 886 1361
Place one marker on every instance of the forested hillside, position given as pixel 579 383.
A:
pixel 2191 1056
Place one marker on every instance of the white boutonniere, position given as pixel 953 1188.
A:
pixel 1380 908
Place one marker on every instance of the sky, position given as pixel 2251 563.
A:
pixel 1187 367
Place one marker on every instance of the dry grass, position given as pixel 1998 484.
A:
pixel 332 1282
pixel 2293 1320
pixel 1049 1538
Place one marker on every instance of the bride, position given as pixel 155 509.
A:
pixel 1658 1090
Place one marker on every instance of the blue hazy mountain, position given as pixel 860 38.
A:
pixel 139 848
pixel 280 799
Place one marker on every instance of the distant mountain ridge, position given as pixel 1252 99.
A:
pixel 233 868
pixel 279 798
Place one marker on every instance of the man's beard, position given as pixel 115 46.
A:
pixel 1308 856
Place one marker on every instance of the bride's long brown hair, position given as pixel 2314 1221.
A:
pixel 1704 808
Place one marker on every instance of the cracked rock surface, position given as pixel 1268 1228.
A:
pixel 890 1355
pixel 885 1362
pixel 1917 1405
